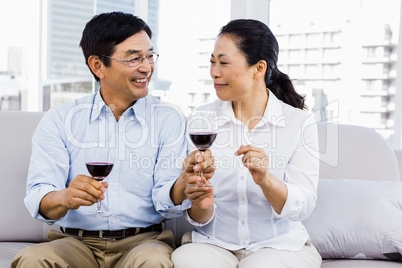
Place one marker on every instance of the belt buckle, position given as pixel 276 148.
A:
pixel 101 234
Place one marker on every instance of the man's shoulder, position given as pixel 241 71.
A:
pixel 65 107
pixel 63 110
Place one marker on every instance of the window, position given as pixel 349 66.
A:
pixel 205 97
pixel 371 52
pixel 296 39
pixel 192 97
pixel 314 38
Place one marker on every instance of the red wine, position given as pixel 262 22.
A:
pixel 203 140
pixel 99 170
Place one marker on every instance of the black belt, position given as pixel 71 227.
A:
pixel 106 234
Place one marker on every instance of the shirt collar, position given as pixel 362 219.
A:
pixel 97 106
pixel 137 109
pixel 273 113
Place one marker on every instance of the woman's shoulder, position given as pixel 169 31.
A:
pixel 211 106
pixel 293 114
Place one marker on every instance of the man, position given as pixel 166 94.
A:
pixel 147 181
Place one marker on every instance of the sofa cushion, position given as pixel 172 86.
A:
pixel 342 263
pixel 8 251
pixel 357 219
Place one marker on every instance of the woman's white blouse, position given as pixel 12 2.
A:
pixel 243 218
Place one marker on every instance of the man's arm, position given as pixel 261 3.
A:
pixel 192 165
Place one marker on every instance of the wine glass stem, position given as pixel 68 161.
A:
pixel 99 207
pixel 202 172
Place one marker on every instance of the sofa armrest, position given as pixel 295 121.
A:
pixel 16 223
pixel 398 154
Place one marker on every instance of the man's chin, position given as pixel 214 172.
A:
pixel 141 93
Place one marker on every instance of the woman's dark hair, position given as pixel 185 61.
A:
pixel 104 31
pixel 256 41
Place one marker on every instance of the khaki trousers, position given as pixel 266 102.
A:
pixel 200 255
pixel 152 249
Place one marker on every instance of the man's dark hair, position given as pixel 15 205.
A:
pixel 104 31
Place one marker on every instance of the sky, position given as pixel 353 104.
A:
pixel 16 25
pixel 179 29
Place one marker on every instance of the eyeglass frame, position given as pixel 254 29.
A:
pixel 141 59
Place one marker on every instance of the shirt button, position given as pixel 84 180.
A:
pixel 113 193
pixel 243 222
pixel 242 177
pixel 114 221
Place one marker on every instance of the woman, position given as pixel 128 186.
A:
pixel 266 157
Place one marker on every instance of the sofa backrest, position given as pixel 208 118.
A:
pixel 355 152
pixel 345 151
pixel 16 224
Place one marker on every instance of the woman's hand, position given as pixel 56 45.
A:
pixel 197 162
pixel 201 197
pixel 192 165
pixel 256 160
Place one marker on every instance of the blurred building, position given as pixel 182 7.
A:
pixel 66 75
pixel 15 61
pixel 344 63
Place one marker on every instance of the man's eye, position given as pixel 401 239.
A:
pixel 150 56
pixel 134 59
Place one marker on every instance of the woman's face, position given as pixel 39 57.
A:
pixel 233 78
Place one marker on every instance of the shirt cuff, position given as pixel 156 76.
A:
pixel 196 223
pixel 165 205
pixel 33 199
pixel 294 203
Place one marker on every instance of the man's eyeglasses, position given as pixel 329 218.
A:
pixel 137 60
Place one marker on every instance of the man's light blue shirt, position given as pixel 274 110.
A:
pixel 148 145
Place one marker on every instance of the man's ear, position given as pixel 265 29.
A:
pixel 96 65
pixel 260 69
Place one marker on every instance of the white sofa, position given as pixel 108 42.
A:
pixel 349 155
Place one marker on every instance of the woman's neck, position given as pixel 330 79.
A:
pixel 250 109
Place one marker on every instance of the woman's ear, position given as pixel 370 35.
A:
pixel 96 65
pixel 260 69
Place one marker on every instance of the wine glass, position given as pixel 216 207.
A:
pixel 202 127
pixel 99 162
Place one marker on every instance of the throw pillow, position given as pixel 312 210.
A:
pixel 357 219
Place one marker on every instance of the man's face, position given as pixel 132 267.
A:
pixel 121 82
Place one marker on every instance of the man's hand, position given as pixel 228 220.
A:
pixel 82 191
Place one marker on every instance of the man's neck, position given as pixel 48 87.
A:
pixel 117 105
